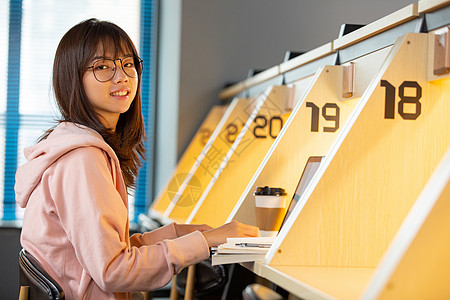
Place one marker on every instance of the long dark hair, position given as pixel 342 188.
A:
pixel 75 51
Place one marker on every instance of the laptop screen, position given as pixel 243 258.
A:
pixel 310 169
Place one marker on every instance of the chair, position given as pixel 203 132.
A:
pixel 257 291
pixel 35 283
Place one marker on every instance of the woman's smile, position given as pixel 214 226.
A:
pixel 121 93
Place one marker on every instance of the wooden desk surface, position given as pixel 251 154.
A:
pixel 312 282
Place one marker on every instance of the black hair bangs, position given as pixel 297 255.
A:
pixel 106 40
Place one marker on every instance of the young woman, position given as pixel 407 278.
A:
pixel 74 185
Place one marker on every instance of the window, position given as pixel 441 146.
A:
pixel 30 32
pixel 4 9
pixel 4 18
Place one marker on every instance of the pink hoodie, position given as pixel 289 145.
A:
pixel 76 221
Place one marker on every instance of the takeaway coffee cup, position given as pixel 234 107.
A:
pixel 270 208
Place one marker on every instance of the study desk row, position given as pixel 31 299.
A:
pixel 374 222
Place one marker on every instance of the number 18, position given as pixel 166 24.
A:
pixel 389 110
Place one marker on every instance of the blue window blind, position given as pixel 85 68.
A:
pixel 30 32
pixel 148 51
pixel 4 45
pixel 11 119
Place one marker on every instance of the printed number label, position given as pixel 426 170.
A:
pixel 232 132
pixel 413 100
pixel 205 134
pixel 275 125
pixel 327 114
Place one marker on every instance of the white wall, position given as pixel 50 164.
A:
pixel 167 94
pixel 222 40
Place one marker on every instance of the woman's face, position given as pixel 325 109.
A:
pixel 114 96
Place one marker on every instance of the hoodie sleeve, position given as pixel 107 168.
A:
pixel 152 237
pixel 95 218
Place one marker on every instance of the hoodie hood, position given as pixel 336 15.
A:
pixel 64 138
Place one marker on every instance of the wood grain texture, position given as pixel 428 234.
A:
pixel 214 157
pixel 286 159
pixel 417 264
pixel 376 171
pixel 189 156
pixel 215 205
pixel 334 282
pixel 366 68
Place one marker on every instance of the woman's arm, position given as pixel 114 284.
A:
pixel 170 231
pixel 91 204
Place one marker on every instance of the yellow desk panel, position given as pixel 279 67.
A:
pixel 200 177
pixel 417 264
pixel 188 158
pixel 215 205
pixel 377 168
pixel 311 129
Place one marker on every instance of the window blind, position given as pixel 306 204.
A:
pixel 30 33
pixel 148 51
pixel 10 118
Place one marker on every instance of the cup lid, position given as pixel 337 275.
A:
pixel 269 191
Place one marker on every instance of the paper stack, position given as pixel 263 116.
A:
pixel 237 250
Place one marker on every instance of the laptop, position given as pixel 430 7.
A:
pixel 309 170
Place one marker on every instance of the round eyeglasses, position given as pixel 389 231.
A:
pixel 104 69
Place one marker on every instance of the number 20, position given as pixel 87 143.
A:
pixel 260 127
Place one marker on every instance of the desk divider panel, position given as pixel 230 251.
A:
pixel 310 130
pixel 225 188
pixel 368 182
pixel 417 264
pixel 213 159
pixel 365 69
pixel 180 186
pixel 188 158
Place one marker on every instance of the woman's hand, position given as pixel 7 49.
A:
pixel 219 235
pixel 183 229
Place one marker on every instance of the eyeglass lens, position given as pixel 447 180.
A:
pixel 105 69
